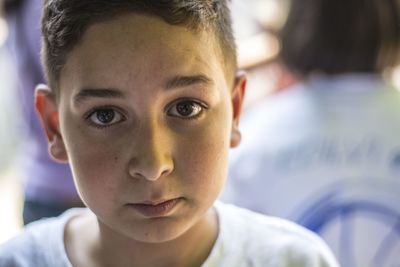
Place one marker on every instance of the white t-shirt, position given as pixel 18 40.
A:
pixel 326 154
pixel 245 239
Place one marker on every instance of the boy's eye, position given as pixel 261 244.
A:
pixel 187 109
pixel 105 117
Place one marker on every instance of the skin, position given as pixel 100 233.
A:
pixel 135 129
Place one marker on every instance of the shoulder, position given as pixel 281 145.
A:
pixel 263 239
pixel 40 244
pixel 25 249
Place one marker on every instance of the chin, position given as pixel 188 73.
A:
pixel 159 232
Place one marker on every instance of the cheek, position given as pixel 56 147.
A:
pixel 95 175
pixel 205 156
pixel 96 166
pixel 210 167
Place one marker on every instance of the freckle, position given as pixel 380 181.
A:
pixel 116 159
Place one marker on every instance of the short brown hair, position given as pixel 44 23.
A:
pixel 65 21
pixel 340 36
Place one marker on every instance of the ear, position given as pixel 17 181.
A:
pixel 238 94
pixel 46 108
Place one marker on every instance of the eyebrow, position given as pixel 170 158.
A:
pixel 174 82
pixel 184 81
pixel 87 93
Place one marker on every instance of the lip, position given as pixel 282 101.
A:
pixel 155 209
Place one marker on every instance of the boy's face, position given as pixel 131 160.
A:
pixel 145 118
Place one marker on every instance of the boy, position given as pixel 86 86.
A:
pixel 144 105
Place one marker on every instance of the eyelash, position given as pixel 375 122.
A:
pixel 93 111
pixel 200 105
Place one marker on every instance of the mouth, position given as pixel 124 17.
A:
pixel 156 209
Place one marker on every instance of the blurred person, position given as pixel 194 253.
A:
pixel 48 186
pixel 325 152
pixel 8 124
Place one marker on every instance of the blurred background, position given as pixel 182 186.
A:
pixel 11 128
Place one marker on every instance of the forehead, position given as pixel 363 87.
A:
pixel 141 47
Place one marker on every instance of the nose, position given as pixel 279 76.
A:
pixel 151 157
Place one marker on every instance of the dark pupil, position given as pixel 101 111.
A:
pixel 185 109
pixel 105 116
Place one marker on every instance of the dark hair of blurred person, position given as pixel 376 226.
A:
pixel 8 5
pixel 313 41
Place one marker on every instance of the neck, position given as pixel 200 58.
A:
pixel 109 248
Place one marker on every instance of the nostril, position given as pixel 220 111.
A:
pixel 136 175
pixel 150 173
pixel 166 172
pixel 150 161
